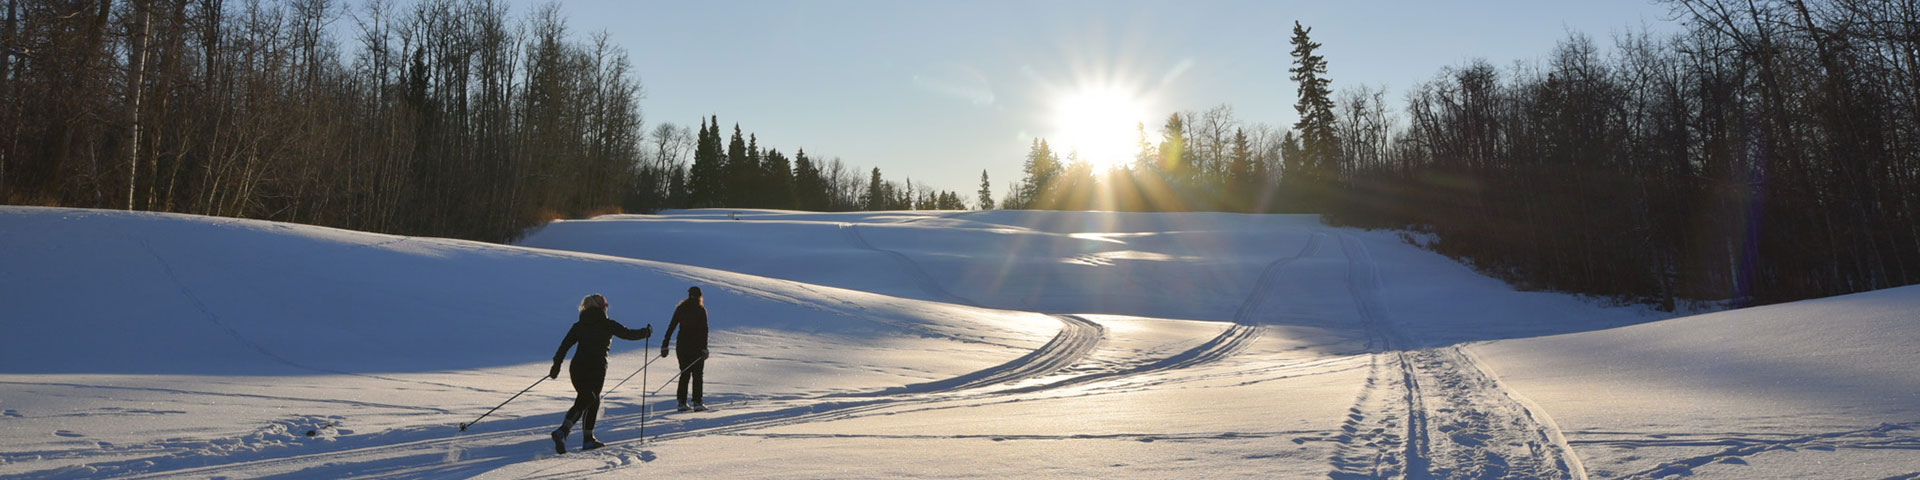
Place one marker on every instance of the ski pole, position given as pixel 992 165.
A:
pixel 463 426
pixel 646 345
pixel 696 362
pixel 643 380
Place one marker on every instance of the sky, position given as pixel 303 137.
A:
pixel 939 91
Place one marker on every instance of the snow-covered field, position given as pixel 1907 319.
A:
pixel 909 345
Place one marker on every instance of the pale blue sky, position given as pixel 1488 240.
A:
pixel 938 91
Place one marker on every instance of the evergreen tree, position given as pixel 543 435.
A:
pixel 1293 162
pixel 778 176
pixel 703 181
pixel 877 195
pixel 1315 107
pixel 753 175
pixel 1042 168
pixel 738 170
pixel 1173 151
pixel 809 190
pixel 1241 179
pixel 986 192
pixel 906 200
pixel 677 194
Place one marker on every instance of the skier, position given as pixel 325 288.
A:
pixel 691 318
pixel 594 334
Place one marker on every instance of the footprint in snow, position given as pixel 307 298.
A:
pixel 12 413
pixel 67 433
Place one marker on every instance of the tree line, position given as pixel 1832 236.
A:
pixel 439 117
pixel 741 174
pixel 1767 153
pixel 449 118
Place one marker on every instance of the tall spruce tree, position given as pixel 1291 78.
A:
pixel 986 192
pixel 703 180
pixel 877 196
pixel 739 171
pixel 1318 145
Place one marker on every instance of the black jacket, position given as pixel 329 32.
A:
pixel 691 318
pixel 594 332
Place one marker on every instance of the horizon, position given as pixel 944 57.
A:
pixel 937 92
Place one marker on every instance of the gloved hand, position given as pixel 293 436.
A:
pixel 663 351
pixel 555 372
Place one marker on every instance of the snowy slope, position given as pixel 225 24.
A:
pixel 149 341
pixel 909 345
pixel 1820 388
pixel 1194 266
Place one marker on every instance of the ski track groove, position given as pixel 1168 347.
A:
pixel 1457 419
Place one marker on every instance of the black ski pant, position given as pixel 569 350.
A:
pixel 693 367
pixel 587 378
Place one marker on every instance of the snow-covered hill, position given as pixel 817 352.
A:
pixel 1826 388
pixel 909 344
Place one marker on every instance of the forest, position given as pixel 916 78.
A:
pixel 1770 152
pixel 1766 152
pixel 449 118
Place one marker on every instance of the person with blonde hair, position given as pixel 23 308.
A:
pixel 594 334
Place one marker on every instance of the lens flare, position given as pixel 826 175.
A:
pixel 1101 123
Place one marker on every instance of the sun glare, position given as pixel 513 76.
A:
pixel 1101 124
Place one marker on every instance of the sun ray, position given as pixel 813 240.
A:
pixel 1100 122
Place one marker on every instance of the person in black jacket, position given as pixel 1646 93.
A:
pixel 691 318
pixel 594 333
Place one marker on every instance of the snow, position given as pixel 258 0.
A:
pixel 1807 389
pixel 909 345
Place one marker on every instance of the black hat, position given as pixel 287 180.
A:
pixel 693 291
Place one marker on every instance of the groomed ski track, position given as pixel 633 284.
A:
pixel 1435 412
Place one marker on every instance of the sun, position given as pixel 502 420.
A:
pixel 1101 124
